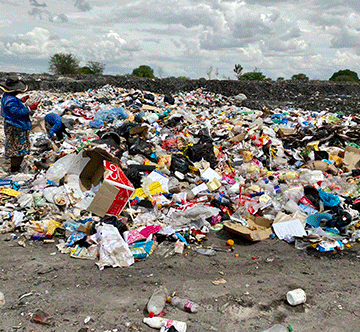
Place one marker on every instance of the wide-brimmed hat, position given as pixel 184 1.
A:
pixel 12 84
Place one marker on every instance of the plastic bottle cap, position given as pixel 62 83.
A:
pixel 151 314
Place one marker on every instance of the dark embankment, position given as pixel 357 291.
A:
pixel 313 95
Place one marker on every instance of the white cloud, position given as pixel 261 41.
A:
pixel 185 37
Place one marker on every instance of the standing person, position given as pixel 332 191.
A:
pixel 55 126
pixel 17 122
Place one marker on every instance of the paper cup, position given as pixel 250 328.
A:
pixel 296 297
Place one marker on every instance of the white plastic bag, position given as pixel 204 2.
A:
pixel 114 251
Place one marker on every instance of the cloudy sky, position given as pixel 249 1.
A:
pixel 280 38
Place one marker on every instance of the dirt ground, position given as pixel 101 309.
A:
pixel 253 298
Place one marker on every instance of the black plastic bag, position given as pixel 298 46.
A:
pixel 320 155
pixel 312 195
pixel 169 99
pixel 139 146
pixel 200 151
pixel 149 96
pixel 179 163
pixel 340 220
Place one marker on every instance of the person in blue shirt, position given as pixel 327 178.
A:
pixel 55 126
pixel 17 123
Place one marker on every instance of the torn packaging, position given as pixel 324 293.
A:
pixel 115 190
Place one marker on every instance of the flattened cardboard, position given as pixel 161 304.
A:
pixel 351 158
pixel 322 166
pixel 259 228
pixel 238 138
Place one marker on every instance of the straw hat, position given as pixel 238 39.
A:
pixel 12 84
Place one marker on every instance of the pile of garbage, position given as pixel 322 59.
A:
pixel 146 172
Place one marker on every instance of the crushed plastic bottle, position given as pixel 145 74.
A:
pixel 183 304
pixel 157 301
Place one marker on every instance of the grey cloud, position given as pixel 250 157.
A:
pixel 7 2
pixel 346 39
pixel 328 18
pixel 176 43
pixel 131 47
pixel 36 4
pixel 43 14
pixel 292 33
pixel 36 12
pixel 248 29
pixel 82 5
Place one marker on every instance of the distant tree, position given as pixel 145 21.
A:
pixel 96 68
pixel 208 73
pixel 143 71
pixel 63 64
pixel 346 75
pixel 254 75
pixel 280 79
pixel 85 70
pixel 217 73
pixel 238 70
pixel 183 78
pixel 299 77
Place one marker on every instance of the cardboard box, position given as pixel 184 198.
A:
pixel 259 228
pixel 115 189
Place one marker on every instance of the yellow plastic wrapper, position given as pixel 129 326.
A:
pixel 10 192
pixel 338 161
pixel 139 192
pixel 313 146
pixel 52 226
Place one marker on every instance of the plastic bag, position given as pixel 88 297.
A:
pixel 58 170
pixel 107 115
pixel 179 163
pixel 114 251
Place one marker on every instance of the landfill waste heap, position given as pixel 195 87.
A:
pixel 144 171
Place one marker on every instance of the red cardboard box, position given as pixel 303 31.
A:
pixel 115 188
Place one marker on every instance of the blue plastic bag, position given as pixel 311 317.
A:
pixel 329 200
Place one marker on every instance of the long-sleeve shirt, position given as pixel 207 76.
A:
pixel 15 112
pixel 55 121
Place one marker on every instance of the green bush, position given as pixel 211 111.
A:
pixel 346 75
pixel 252 76
pixel 299 77
pixel 143 71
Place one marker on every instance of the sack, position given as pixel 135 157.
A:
pixel 200 151
pixel 179 163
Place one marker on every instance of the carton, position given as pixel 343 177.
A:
pixel 115 189
pixel 259 228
